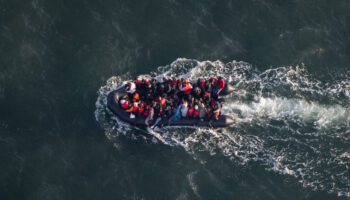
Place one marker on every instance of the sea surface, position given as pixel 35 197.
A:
pixel 288 61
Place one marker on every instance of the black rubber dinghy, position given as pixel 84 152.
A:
pixel 113 104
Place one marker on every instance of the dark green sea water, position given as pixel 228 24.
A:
pixel 289 62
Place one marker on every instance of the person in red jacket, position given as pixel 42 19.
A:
pixel 220 83
pixel 190 112
pixel 124 102
pixel 141 108
pixel 146 112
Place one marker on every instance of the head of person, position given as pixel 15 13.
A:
pixel 197 90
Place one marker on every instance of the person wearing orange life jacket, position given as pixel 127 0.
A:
pixel 161 100
pixel 136 97
pixel 185 87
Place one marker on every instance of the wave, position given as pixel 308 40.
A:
pixel 285 119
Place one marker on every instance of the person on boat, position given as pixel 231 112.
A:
pixel 177 86
pixel 168 111
pixel 161 100
pixel 173 83
pixel 220 84
pixel 207 86
pixel 185 88
pixel 160 89
pixel 158 111
pixel 146 111
pixel 208 113
pixel 130 88
pixel 190 112
pixel 138 83
pixel 135 107
pixel 202 111
pixel 213 80
pixel 200 82
pixel 154 86
pixel 167 88
pixel 149 93
pixel 207 97
pixel 151 112
pixel 141 108
pixel 196 111
pixel 216 110
pixel 124 102
pixel 143 87
pixel 176 115
pixel 197 92
pixel 184 108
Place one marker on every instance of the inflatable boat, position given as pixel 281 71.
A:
pixel 113 104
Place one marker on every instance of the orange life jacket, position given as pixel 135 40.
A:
pixel 136 96
pixel 188 88
pixel 163 102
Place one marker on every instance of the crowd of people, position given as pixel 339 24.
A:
pixel 173 99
